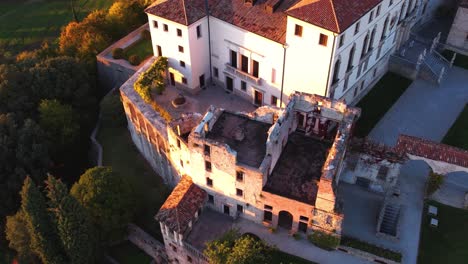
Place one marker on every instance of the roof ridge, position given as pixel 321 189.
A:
pixel 185 12
pixel 334 15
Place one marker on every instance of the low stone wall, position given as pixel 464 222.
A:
pixel 147 243
pixel 366 255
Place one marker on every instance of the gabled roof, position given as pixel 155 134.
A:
pixel 181 205
pixel 184 12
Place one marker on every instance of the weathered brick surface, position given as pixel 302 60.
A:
pixel 432 150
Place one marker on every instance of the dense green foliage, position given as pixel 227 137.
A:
pixel 118 53
pixel 152 78
pixel 134 60
pixel 434 182
pixel 113 114
pixel 448 242
pixel 108 198
pixel 128 253
pixel 17 233
pixel 457 136
pixel 324 240
pixel 373 249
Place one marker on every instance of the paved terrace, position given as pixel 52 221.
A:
pixel 299 168
pixel 212 95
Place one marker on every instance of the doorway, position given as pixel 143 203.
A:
pixel 229 83
pixel 258 98
pixel 301 121
pixel 171 76
pixel 285 220
pixel 363 182
pixel 202 81
pixel 226 209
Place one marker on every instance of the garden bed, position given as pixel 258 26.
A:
pixel 457 136
pixel 372 249
pixel 127 252
pixel 141 48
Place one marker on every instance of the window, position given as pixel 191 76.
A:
pixel 155 24
pixel 184 80
pixel 336 72
pixel 243 86
pixel 298 31
pixel 302 227
pixel 391 3
pixel 207 150
pixel 179 32
pixel 352 162
pixel 210 199
pixel 274 100
pixel 371 16
pixel 226 209
pixel 356 29
pixel 209 181
pixel 303 218
pixel 239 192
pixel 342 39
pixel 189 259
pixel 215 72
pixel 178 143
pixel 207 165
pixel 181 49
pixel 351 58
pixel 323 39
pixel 165 27
pixel 159 50
pixel 199 34
pixel 239 176
pixel 182 163
pixel 233 56
pixel 267 216
pixel 273 75
pixel 267 207
pixel 329 220
pixel 255 68
pixel 182 63
pixel 382 175
pixel 244 63
pixel 378 12
pixel 240 209
pixel 174 248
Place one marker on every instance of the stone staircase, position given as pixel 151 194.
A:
pixel 391 215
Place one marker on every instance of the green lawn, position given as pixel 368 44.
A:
pixel 379 100
pixel 280 257
pixel 460 60
pixel 30 22
pixel 128 253
pixel 447 243
pixel 120 153
pixel 142 48
pixel 457 136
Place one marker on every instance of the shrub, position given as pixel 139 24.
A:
pixel 118 53
pixel 434 182
pixel 324 240
pixel 378 251
pixel 272 230
pixel 134 60
pixel 145 34
pixel 151 78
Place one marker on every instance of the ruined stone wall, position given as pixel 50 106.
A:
pixel 147 243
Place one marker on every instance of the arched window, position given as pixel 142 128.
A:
pixel 336 71
pixel 384 30
pixel 351 58
pixel 365 45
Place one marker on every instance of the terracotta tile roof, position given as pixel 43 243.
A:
pixel 181 205
pixel 333 15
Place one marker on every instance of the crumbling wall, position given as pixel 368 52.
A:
pixel 147 243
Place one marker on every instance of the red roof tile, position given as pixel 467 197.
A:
pixel 181 205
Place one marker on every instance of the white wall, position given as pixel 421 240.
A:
pixel 199 53
pixel 458 35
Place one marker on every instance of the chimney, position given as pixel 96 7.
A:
pixel 249 2
pixel 272 5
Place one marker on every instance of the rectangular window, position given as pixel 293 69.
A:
pixel 207 165
pixel 239 192
pixel 178 143
pixel 199 34
pixel 215 72
pixel 179 32
pixel 298 30
pixel 209 182
pixel 303 218
pixel 181 49
pixel 207 150
pixel 371 16
pixel 240 209
pixel 243 86
pixel 255 68
pixel 323 39
pixel 184 80
pixel 378 12
pixel 382 175
pixel 239 176
pixel 159 50
pixel 302 227
pixel 274 100
pixel 273 75
pixel 356 29
pixel 342 39
pixel 267 207
pixel 155 24
pixel 244 63
pixel 189 259
pixel 182 163
pixel 182 64
pixel 210 199
pixel 233 59
pixel 166 27
pixel 267 216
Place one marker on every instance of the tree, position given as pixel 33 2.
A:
pixel 112 111
pixel 124 16
pixel 232 248
pixel 108 198
pixel 44 239
pixel 74 225
pixel 17 233
pixel 58 121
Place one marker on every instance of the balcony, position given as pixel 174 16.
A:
pixel 243 75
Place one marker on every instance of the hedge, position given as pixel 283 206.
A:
pixel 373 249
pixel 324 240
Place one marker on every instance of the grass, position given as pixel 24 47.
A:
pixel 142 48
pixel 457 136
pixel 27 23
pixel 448 242
pixel 460 60
pixel 280 257
pixel 375 250
pixel 379 100
pixel 127 252
pixel 120 153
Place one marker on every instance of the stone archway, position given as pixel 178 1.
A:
pixel 285 220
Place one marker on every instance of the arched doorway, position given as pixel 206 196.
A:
pixel 285 220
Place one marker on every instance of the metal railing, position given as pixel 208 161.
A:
pixel 243 75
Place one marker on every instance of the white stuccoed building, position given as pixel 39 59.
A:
pixel 265 50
